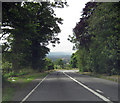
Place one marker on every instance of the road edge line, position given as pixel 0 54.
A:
pixel 89 89
pixel 33 89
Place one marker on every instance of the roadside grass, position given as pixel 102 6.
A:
pixel 7 92
pixel 11 83
pixel 114 78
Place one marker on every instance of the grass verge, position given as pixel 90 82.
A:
pixel 114 78
pixel 11 84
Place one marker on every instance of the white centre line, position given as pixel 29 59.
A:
pixel 33 90
pixel 95 93
pixel 99 91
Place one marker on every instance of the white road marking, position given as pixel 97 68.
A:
pixel 95 93
pixel 33 90
pixel 99 91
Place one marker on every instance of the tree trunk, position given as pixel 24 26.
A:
pixel 35 54
pixel 16 50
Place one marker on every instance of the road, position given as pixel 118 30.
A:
pixel 66 85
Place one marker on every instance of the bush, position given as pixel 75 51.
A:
pixel 6 67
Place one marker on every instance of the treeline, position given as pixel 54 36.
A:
pixel 97 38
pixel 27 29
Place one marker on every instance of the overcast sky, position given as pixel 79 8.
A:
pixel 71 16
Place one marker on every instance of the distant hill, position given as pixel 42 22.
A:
pixel 59 53
pixel 65 56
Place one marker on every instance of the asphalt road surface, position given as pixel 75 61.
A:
pixel 67 85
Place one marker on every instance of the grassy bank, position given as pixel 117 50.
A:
pixel 19 81
pixel 114 78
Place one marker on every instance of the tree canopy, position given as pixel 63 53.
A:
pixel 29 27
pixel 97 38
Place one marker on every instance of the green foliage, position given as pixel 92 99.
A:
pixel 59 64
pixel 83 60
pixel 103 49
pixel 98 39
pixel 6 67
pixel 49 64
pixel 73 61
pixel 33 27
pixel 67 66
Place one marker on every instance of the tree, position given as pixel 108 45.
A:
pixel 73 61
pixel 97 38
pixel 105 38
pixel 60 63
pixel 33 27
pixel 49 64
pixel 81 36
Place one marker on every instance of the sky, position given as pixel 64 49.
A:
pixel 71 16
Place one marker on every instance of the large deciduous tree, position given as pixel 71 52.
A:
pixel 97 38
pixel 32 26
